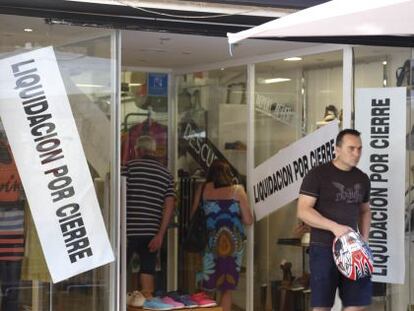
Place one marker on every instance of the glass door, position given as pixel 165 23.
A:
pixel 211 124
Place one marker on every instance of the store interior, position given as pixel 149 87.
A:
pixel 207 97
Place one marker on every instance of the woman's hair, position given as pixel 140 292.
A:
pixel 219 173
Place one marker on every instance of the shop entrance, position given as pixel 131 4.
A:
pixel 200 104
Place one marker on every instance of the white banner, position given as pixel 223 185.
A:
pixel 39 124
pixel 276 181
pixel 380 115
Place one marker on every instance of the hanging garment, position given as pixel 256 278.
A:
pixel 34 264
pixel 10 184
pixel 11 231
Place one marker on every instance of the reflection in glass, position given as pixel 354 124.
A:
pixel 292 99
pixel 379 67
pixel 85 66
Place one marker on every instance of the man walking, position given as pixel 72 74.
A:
pixel 150 206
pixel 334 198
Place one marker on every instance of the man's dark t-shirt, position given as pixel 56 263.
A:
pixel 339 195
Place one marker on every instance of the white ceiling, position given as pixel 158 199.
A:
pixel 176 51
pixel 139 49
pixel 149 49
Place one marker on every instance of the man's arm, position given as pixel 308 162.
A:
pixel 364 220
pixel 308 214
pixel 156 242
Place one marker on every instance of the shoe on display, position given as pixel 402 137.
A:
pixel 173 302
pixel 156 304
pixel 185 299
pixel 203 300
pixel 297 285
pixel 135 299
pixel 160 293
pixel 236 145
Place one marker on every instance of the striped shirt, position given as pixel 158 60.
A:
pixel 11 231
pixel 148 185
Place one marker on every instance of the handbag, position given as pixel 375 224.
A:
pixel 196 238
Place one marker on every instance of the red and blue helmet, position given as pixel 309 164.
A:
pixel 352 256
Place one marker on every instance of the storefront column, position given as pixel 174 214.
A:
pixel 172 233
pixel 118 299
pixel 249 169
pixel 348 95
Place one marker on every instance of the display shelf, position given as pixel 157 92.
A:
pixel 298 243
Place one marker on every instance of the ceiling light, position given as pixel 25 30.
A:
pixel 28 29
pixel 89 85
pixel 163 39
pixel 157 50
pixel 384 62
pixel 135 84
pixel 292 59
pixel 273 80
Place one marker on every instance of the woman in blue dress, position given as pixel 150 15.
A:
pixel 227 211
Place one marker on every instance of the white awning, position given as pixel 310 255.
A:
pixel 339 18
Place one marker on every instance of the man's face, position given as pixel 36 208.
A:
pixel 350 150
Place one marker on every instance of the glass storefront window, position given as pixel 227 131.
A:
pixel 386 67
pixel 292 99
pixel 85 59
pixel 211 123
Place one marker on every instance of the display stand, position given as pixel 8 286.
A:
pixel 293 298
pixel 297 243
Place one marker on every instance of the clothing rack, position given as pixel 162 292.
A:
pixel 186 189
pixel 147 114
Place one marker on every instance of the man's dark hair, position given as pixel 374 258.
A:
pixel 344 132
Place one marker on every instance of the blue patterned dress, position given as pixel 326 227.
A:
pixel 223 255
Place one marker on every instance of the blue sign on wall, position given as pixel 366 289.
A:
pixel 157 84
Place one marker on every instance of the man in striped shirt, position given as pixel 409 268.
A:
pixel 150 206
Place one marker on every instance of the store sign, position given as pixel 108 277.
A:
pixel 380 115
pixel 203 150
pixel 276 181
pixel 157 84
pixel 42 133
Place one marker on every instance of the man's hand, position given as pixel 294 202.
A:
pixel 339 230
pixel 155 244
